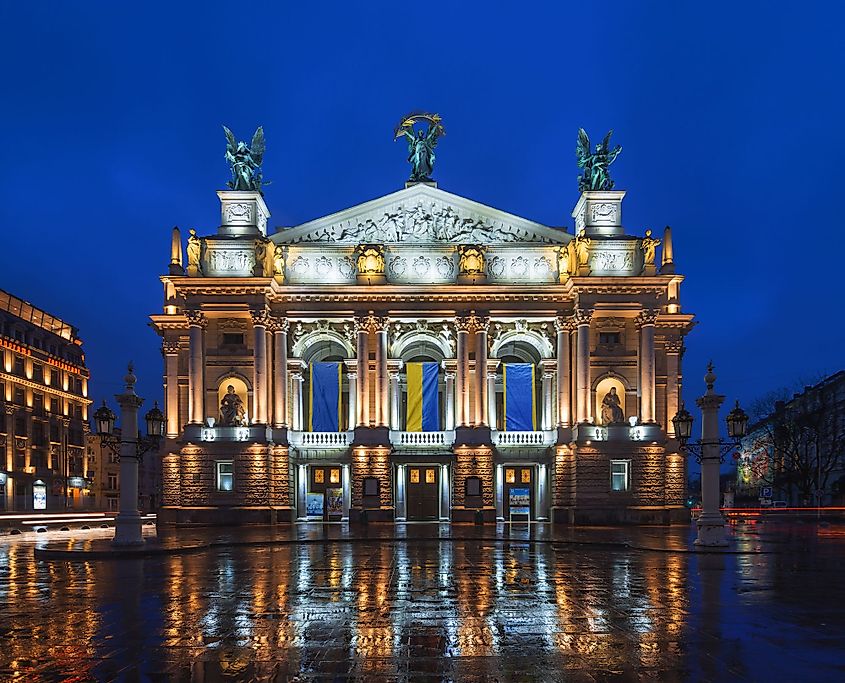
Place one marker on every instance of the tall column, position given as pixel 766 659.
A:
pixel 548 409
pixel 582 319
pixel 127 525
pixel 711 524
pixel 491 398
pixel 449 422
pixel 362 352
pixel 280 372
pixel 197 323
pixel 9 455
pixel 352 377
pixel 170 351
pixel 260 322
pixel 394 401
pixel 480 324
pixel 296 391
pixel 645 323
pixel 673 371
pixel 382 404
pixel 462 386
pixel 563 326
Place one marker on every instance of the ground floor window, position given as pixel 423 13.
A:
pixel 111 504
pixel 225 476
pixel 620 475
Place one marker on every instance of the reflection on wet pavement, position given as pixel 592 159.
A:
pixel 430 609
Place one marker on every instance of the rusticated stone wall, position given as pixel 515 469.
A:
pixel 648 481
pixel 197 478
pixel 675 479
pixel 281 477
pixel 473 462
pixel 252 480
pixel 564 477
pixel 372 462
pixel 170 478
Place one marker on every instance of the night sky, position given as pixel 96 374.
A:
pixel 730 116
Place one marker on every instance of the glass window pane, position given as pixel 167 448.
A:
pixel 334 476
pixel 429 476
pixel 510 476
pixel 319 476
pixel 415 476
pixel 526 476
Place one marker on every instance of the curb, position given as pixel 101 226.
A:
pixel 55 554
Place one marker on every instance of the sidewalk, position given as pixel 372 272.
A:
pixel 676 539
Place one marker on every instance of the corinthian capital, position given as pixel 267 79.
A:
pixel 582 316
pixel 378 323
pixel 479 323
pixel 169 347
pixel 260 318
pixel 196 318
pixel 277 324
pixel 463 323
pixel 646 317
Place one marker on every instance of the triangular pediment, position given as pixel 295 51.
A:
pixel 421 214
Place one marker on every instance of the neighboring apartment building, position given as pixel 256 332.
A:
pixel 798 450
pixel 104 466
pixel 422 356
pixel 44 399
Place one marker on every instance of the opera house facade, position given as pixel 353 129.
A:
pixel 422 356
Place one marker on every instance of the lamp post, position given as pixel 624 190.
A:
pixel 130 448
pixel 710 452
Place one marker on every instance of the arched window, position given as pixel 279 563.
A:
pixel 517 351
pixel 325 350
pixel 422 350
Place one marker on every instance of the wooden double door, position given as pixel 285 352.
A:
pixel 422 492
pixel 519 485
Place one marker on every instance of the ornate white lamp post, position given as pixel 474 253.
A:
pixel 130 448
pixel 710 451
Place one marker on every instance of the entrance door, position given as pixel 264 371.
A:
pixel 422 488
pixel 519 493
pixel 325 493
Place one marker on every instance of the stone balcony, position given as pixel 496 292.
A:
pixel 537 439
pixel 423 440
pixel 321 440
pixel 583 433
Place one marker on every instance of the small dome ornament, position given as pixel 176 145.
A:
pixel 710 377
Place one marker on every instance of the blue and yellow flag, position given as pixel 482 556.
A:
pixel 520 400
pixel 324 397
pixel 423 404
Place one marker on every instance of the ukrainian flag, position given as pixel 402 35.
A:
pixel 324 397
pixel 520 398
pixel 423 404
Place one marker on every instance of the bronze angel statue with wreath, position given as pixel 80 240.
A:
pixel 420 144
pixel 245 161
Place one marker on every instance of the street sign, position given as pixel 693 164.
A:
pixel 766 492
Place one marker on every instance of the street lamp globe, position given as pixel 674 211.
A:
pixel 104 417
pixel 737 423
pixel 155 422
pixel 683 424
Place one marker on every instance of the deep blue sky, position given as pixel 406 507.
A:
pixel 730 115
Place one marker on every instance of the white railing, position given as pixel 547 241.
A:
pixel 537 438
pixel 422 439
pixel 320 439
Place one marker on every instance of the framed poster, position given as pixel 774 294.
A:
pixel 519 501
pixel 334 501
pixel 39 495
pixel 314 504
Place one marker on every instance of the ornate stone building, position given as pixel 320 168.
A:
pixel 551 366
pixel 44 398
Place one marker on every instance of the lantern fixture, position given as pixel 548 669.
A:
pixel 737 421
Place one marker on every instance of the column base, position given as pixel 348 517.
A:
pixel 127 530
pixel 711 531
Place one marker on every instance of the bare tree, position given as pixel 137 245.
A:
pixel 797 445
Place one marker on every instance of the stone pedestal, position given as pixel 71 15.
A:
pixel 243 214
pixel 599 213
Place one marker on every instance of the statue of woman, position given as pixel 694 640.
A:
pixel 231 409
pixel 421 146
pixel 279 263
pixel 194 251
pixel 611 408
pixel 649 245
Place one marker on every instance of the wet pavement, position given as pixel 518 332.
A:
pixel 431 603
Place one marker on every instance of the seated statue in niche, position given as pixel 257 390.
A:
pixel 611 408
pixel 232 412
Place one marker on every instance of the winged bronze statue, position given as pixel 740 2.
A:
pixel 245 161
pixel 596 175
pixel 420 144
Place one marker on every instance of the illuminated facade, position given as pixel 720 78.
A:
pixel 44 394
pixel 550 365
